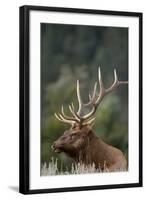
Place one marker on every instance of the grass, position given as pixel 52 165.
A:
pixel 76 168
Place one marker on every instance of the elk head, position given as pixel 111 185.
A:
pixel 77 138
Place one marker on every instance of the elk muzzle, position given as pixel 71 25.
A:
pixel 56 147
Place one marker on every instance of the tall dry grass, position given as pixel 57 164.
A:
pixel 76 168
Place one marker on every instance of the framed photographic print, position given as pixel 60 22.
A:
pixel 80 99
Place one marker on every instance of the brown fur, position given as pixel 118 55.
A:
pixel 85 147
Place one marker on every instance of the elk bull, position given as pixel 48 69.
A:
pixel 80 142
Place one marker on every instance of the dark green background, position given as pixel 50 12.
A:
pixel 71 52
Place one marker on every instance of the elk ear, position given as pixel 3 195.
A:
pixel 89 126
pixel 87 129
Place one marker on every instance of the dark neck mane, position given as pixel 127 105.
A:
pixel 84 154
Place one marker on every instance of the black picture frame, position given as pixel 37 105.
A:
pixel 25 105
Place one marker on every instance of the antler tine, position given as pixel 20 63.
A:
pixel 87 116
pixel 62 117
pixel 116 82
pixel 89 122
pixel 72 105
pixel 79 98
pixel 115 75
pixel 57 117
pixel 101 90
pixel 64 120
pixel 94 90
pixel 71 108
pixel 100 79
pixel 93 98
pixel 90 98
pixel 67 117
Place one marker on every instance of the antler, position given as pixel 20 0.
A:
pixel 79 117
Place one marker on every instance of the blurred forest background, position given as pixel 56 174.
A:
pixel 71 52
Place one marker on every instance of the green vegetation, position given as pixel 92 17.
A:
pixel 68 53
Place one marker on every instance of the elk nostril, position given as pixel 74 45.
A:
pixel 53 145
